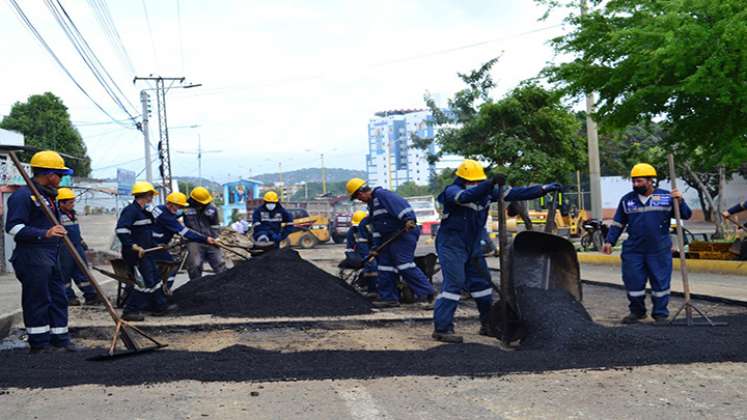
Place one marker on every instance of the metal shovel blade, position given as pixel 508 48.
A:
pixel 545 261
pixel 127 353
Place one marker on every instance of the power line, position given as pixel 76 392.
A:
pixel 150 32
pixel 88 56
pixel 179 26
pixel 116 164
pixel 30 26
pixel 105 20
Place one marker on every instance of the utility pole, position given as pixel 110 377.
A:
pixel 324 177
pixel 593 149
pixel 145 100
pixel 164 153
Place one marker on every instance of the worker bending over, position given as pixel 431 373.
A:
pixel 646 212
pixel 135 232
pixel 358 243
pixel 35 256
pixel 390 214
pixel 68 268
pixel 466 203
pixel 202 217
pixel 166 217
pixel 271 221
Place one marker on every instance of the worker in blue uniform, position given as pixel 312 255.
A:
pixel 68 268
pixel 135 232
pixel 358 245
pixel 35 256
pixel 466 203
pixel 389 215
pixel 646 213
pixel 737 208
pixel 166 225
pixel 270 221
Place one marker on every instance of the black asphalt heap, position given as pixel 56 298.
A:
pixel 280 284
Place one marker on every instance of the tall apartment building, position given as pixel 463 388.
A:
pixel 392 159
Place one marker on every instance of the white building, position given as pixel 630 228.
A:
pixel 392 159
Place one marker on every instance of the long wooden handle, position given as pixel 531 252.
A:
pixel 680 237
pixel 385 244
pixel 550 222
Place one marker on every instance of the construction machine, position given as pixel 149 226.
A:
pixel 309 230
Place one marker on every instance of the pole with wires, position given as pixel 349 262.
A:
pixel 145 100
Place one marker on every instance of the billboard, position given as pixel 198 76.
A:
pixel 125 179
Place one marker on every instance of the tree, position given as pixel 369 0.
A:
pixel 411 189
pixel 45 123
pixel 528 134
pixel 680 62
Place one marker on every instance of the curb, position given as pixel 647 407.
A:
pixel 7 321
pixel 698 266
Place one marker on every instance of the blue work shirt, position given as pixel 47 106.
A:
pixel 648 223
pixel 388 212
pixel 134 226
pixel 358 239
pixel 737 208
pixel 70 221
pixel 27 223
pixel 465 210
pixel 270 221
pixel 167 225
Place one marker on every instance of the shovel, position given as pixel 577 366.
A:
pixel 736 247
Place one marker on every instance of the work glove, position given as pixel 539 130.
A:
pixel 553 186
pixel 213 241
pixel 139 250
pixel 410 225
pixel 498 179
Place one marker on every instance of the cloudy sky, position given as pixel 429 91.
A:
pixel 282 80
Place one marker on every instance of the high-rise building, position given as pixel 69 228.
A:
pixel 392 158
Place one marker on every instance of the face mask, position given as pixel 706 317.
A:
pixel 179 213
pixel 270 206
pixel 640 190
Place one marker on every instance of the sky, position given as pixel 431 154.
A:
pixel 282 81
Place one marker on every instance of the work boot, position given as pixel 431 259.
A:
pixel 94 301
pixel 165 311
pixel 372 295
pixel 447 337
pixel 383 304
pixel 633 319
pixel 424 305
pixel 133 316
pixel 74 301
pixel 486 331
pixel 661 320
pixel 69 347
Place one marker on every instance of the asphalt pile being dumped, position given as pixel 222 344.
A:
pixel 279 284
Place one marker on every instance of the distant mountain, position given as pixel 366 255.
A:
pixel 193 180
pixel 311 175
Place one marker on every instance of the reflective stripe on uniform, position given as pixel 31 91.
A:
pixel 349 250
pixel 256 224
pixel 404 211
pixel 84 284
pixel 405 266
pixel 482 293
pixel 15 229
pixel 380 211
pixel 450 296
pixel 456 197
pixel 648 209
pixel 506 191
pixel 473 206
pixel 184 231
pixel 661 293
pixel 37 330
pixel 388 268
pixel 157 235
pixel 636 293
pixel 141 222
pixel 58 330
pixel 148 289
pixel 123 230
pixel 361 240
pixel 376 235
pixel 618 224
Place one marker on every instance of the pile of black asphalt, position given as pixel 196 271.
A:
pixel 279 284
pixel 561 336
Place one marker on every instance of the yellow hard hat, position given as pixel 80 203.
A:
pixel 471 170
pixel 643 170
pixel 201 195
pixel 354 185
pixel 49 159
pixel 357 217
pixel 65 194
pixel 180 199
pixel 271 197
pixel 140 187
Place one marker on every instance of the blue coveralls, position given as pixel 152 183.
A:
pixel 35 262
pixel 737 208
pixel 166 226
pixel 458 245
pixel 647 253
pixel 68 268
pixel 388 213
pixel 358 240
pixel 268 224
pixel 135 226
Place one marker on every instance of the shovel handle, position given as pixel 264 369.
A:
pixel 385 244
pixel 550 222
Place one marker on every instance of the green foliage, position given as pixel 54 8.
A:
pixel 682 62
pixel 45 123
pixel 411 189
pixel 528 134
